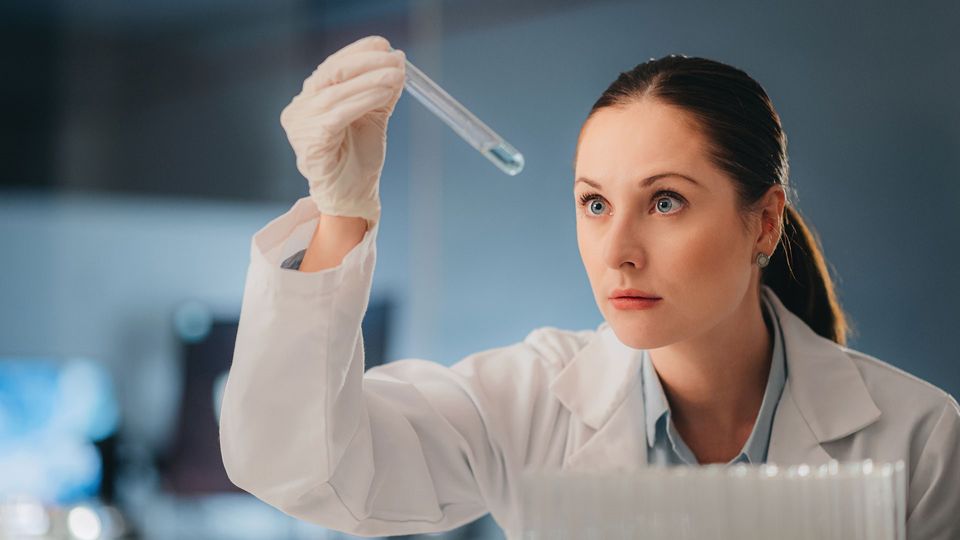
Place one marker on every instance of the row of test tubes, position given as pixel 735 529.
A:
pixel 833 501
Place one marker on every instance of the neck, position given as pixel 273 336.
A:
pixel 715 381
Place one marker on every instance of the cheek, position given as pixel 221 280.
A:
pixel 704 262
pixel 590 254
pixel 583 245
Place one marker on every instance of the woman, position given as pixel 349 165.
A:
pixel 723 341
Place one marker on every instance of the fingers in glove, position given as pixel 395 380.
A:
pixel 356 106
pixel 329 125
pixel 347 67
pixel 308 109
pixel 368 43
pixel 328 98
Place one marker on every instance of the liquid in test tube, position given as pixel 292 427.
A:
pixel 461 120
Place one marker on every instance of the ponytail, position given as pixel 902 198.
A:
pixel 798 274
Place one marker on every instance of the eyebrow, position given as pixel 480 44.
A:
pixel 644 183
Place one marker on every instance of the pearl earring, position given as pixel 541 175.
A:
pixel 762 259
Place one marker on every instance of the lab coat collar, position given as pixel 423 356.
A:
pixel 597 378
pixel 824 399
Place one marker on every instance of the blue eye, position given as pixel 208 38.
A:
pixel 664 208
pixel 595 204
pixel 672 200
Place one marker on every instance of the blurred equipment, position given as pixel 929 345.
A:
pixel 24 518
pixel 849 501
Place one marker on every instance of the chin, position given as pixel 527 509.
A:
pixel 638 334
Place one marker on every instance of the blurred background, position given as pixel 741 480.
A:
pixel 141 148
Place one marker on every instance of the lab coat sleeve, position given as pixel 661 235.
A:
pixel 397 450
pixel 933 491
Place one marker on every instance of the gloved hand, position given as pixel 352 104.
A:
pixel 338 126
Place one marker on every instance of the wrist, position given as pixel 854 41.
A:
pixel 333 238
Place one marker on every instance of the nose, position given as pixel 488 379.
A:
pixel 623 243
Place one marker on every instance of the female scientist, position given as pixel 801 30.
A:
pixel 717 347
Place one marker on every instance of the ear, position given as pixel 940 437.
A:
pixel 771 219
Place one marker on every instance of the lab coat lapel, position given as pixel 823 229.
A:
pixel 600 387
pixel 824 399
pixel 791 440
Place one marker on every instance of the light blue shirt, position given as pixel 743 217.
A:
pixel 664 444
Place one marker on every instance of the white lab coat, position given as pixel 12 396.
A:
pixel 414 446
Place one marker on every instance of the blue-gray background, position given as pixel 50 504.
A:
pixel 142 148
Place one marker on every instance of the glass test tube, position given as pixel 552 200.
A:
pixel 461 120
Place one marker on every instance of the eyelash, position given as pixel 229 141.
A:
pixel 587 197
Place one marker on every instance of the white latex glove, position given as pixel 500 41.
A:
pixel 338 126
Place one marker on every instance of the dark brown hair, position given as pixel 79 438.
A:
pixel 746 142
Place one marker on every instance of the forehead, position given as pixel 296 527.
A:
pixel 640 139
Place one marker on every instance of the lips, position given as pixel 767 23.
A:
pixel 632 293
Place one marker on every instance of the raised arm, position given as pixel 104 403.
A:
pixel 408 447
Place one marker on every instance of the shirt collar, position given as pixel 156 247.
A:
pixel 755 449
